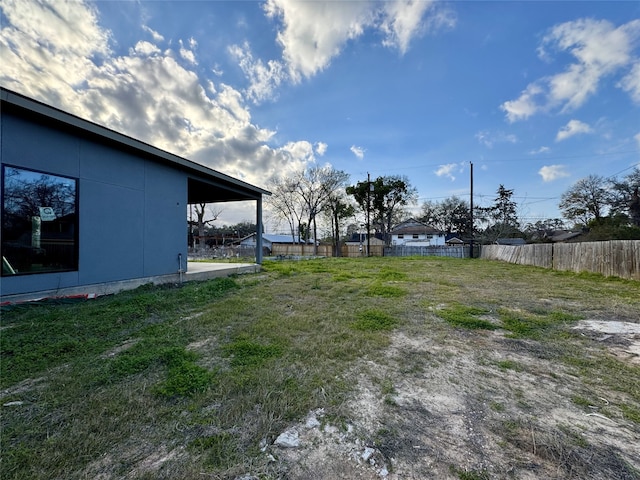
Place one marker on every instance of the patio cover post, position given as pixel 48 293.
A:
pixel 259 231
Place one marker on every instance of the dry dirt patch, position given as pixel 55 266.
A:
pixel 621 338
pixel 450 409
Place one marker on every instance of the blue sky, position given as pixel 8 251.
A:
pixel 536 94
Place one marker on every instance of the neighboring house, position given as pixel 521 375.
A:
pixel 358 245
pixel 453 240
pixel 414 233
pixel 361 238
pixel 268 240
pixel 565 236
pixel 556 236
pixel 84 206
pixel 511 241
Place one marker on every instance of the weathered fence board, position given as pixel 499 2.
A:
pixel 354 250
pixel 617 258
pixel 455 251
pixel 300 250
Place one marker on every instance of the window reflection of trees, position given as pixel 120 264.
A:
pixel 33 242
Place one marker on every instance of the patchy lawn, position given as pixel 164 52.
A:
pixel 398 368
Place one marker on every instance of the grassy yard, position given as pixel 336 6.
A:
pixel 196 381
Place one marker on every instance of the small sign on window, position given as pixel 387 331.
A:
pixel 47 214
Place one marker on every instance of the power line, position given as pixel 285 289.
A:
pixel 517 159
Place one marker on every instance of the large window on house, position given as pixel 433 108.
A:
pixel 39 222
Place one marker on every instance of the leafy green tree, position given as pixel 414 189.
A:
pixel 625 197
pixel 614 227
pixel 501 217
pixel 451 215
pixel 384 198
pixel 542 228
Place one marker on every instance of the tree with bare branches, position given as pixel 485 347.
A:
pixel 201 221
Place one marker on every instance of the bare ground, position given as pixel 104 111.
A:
pixel 444 403
pixel 475 405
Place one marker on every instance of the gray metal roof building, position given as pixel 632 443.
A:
pixel 83 205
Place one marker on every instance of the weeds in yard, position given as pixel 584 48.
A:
pixel 464 474
pixel 374 321
pixel 382 290
pixel 464 316
pixel 509 365
pixel 533 325
pixel 211 369
pixel 246 353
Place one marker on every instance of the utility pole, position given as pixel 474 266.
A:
pixel 471 210
pixel 369 214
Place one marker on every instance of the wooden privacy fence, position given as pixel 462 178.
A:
pixel 456 251
pixel 617 258
pixel 354 250
pixel 300 250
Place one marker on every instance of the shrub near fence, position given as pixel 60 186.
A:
pixel 618 258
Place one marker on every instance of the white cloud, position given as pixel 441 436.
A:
pixel 313 33
pixel 489 139
pixel 540 150
pixel 58 53
pixel 263 79
pixel 357 151
pixel 448 170
pixel 155 35
pixel 145 49
pixel 600 50
pixel 525 105
pixel 550 173
pixel 631 83
pixel 404 20
pixel 54 41
pixel 321 148
pixel 574 127
pixel 637 138
pixel 187 54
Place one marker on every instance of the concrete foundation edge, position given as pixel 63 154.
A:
pixel 108 288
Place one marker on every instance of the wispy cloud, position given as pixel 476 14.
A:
pixel 631 83
pixel 321 148
pixel 540 151
pixel 187 54
pixel 155 35
pixel 574 127
pixel 489 139
pixel 357 151
pixel 600 50
pixel 404 20
pixel 448 170
pixel 549 173
pixel 264 79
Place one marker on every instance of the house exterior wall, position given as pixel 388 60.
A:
pixel 422 240
pixel 131 210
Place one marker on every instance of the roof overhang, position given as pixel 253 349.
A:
pixel 205 184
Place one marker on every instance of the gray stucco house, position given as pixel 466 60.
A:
pixel 83 205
